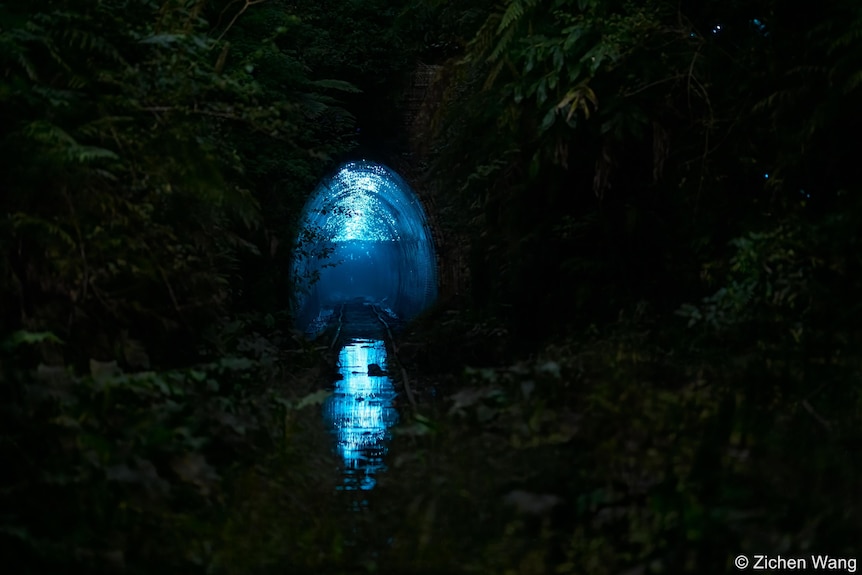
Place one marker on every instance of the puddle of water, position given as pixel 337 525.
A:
pixel 361 412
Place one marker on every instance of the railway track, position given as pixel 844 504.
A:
pixel 361 319
pixel 362 410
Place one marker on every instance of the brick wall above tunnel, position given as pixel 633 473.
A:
pixel 421 100
pixel 416 94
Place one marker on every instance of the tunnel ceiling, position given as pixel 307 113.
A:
pixel 364 204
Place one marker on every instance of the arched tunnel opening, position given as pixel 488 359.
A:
pixel 363 234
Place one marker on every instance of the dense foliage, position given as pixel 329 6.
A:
pixel 666 195
pixel 638 138
pixel 156 156
pixel 656 369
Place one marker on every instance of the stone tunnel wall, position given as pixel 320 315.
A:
pixel 364 233
pixel 421 100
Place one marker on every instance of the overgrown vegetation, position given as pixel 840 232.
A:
pixel 156 155
pixel 663 229
pixel 658 365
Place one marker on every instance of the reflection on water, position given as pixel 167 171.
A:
pixel 361 411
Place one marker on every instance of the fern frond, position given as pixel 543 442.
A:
pixel 492 75
pixel 484 38
pixel 27 66
pixel 87 154
pixel 853 82
pixel 21 220
pixel 60 140
pixel 850 38
pixel 47 133
pixel 513 13
pixel 89 42
pixel 101 125
pixel 161 39
pixel 806 72
pixel 775 100
pixel 314 109
pixel 502 44
pixel 335 85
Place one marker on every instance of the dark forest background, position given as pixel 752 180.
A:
pixel 651 365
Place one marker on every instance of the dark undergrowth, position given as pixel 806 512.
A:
pixel 655 224
pixel 179 470
pixel 628 450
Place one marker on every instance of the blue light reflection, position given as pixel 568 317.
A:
pixel 361 411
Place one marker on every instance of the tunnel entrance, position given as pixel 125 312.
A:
pixel 363 234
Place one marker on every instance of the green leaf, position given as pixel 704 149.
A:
pixel 574 34
pixel 558 59
pixel 235 363
pixel 86 154
pixel 542 91
pixel 162 39
pixel 24 337
pixel 531 61
pixel 335 85
pixel 548 120
pixel 197 376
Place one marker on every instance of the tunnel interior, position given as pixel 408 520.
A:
pixel 363 234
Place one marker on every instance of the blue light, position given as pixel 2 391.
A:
pixel 363 234
pixel 766 176
pixel 759 26
pixel 361 412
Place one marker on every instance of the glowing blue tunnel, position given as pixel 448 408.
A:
pixel 364 234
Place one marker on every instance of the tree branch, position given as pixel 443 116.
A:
pixel 237 15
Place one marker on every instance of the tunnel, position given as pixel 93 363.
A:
pixel 363 234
